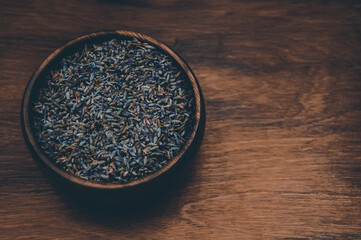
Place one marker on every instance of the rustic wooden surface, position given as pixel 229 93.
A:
pixel 281 156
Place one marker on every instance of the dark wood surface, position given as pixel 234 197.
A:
pixel 281 156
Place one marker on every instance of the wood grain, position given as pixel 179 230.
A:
pixel 281 154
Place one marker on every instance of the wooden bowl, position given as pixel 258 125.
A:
pixel 111 191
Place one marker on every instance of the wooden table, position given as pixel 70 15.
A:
pixel 281 155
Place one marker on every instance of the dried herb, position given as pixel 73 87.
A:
pixel 114 112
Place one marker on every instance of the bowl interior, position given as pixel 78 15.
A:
pixel 38 80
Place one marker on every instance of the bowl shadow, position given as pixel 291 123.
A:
pixel 167 201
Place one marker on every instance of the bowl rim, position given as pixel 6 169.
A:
pixel 37 76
